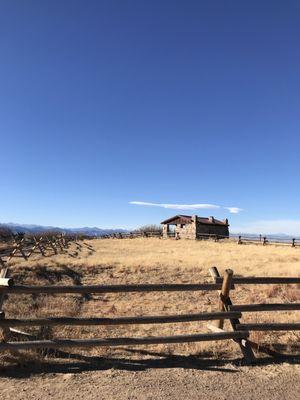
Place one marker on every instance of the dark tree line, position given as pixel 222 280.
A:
pixel 151 228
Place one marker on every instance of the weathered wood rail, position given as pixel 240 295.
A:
pixel 82 289
pixel 265 307
pixel 269 327
pixel 59 343
pixel 163 319
pixel 260 280
pixel 222 285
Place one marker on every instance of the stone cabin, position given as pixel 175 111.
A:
pixel 194 227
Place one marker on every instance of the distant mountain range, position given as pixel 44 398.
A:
pixel 39 228
pixel 94 231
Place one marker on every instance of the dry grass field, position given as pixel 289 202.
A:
pixel 182 254
pixel 154 260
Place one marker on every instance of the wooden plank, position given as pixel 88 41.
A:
pixel 58 343
pixel 119 321
pixel 214 274
pixel 25 256
pixel 257 280
pixel 264 307
pixel 18 247
pixel 269 327
pixel 52 245
pixel 113 288
pixel 39 245
pixel 17 332
pixel 214 328
pixel 243 342
pixel 31 246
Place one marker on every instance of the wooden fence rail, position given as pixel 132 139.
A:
pixel 59 343
pixel 265 307
pixel 261 280
pixel 176 287
pixel 162 319
pixel 269 327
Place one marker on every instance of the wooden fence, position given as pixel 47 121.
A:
pixel 26 246
pixel 240 239
pixel 264 240
pixel 227 305
pixel 54 242
pixel 225 311
pixel 130 235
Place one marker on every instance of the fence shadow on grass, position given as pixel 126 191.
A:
pixel 77 363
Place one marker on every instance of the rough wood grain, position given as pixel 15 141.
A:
pixel 54 344
pixel 165 319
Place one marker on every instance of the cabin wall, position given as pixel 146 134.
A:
pixel 221 230
pixel 165 231
pixel 187 231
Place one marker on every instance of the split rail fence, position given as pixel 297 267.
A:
pixel 130 235
pixel 27 246
pixel 223 285
pixel 264 240
pixel 240 239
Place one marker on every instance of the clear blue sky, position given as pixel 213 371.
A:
pixel 185 102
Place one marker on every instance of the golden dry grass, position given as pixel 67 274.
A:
pixel 247 259
pixel 151 261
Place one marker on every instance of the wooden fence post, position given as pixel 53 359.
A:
pixel 18 247
pixel 226 285
pixel 40 246
pixel 5 331
pixel 226 302
pixel 50 241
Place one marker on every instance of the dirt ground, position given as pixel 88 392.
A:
pixel 156 380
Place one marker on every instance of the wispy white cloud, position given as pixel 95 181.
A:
pixel 233 210
pixel 287 226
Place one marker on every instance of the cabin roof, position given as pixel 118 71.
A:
pixel 188 219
